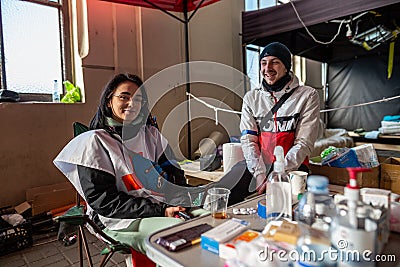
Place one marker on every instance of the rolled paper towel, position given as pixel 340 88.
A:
pixel 231 154
pixel 208 146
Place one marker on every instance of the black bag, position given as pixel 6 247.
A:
pixel 8 96
pixel 210 163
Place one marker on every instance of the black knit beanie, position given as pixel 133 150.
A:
pixel 280 51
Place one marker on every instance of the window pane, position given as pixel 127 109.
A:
pixel 32 48
pixel 267 3
pixel 250 5
pixel 253 67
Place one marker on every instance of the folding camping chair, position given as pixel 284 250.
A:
pixel 76 216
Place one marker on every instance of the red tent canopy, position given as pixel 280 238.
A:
pixel 170 5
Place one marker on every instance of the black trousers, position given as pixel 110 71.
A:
pixel 239 180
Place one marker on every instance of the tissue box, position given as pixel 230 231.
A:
pixel 344 160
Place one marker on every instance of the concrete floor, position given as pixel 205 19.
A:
pixel 47 251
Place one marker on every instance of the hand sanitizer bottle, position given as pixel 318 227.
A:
pixel 56 93
pixel 279 192
pixel 354 229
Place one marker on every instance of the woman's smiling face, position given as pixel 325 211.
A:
pixel 126 102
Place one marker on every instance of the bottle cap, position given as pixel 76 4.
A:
pixel 299 196
pixel 317 183
pixel 279 164
pixel 353 176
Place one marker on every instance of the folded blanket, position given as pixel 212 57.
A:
pixel 392 118
pixel 390 123
pixel 389 130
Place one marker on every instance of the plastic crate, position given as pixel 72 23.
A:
pixel 13 238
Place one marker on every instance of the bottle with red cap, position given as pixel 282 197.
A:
pixel 354 228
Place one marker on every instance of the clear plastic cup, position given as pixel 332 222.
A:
pixel 218 197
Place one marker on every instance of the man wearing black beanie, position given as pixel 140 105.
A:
pixel 293 125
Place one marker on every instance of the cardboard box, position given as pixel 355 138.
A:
pixel 390 175
pixel 340 176
pixel 21 208
pixel 46 198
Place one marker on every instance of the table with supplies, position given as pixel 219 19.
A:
pixel 196 256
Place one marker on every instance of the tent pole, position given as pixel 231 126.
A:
pixel 186 29
pixel 163 10
pixel 3 83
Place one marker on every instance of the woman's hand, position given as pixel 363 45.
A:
pixel 171 211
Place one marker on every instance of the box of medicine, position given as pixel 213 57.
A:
pixel 224 232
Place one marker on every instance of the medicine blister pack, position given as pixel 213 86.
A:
pixel 244 211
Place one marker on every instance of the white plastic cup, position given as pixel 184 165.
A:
pixel 298 180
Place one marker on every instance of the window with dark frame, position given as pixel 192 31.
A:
pixel 35 47
pixel 253 51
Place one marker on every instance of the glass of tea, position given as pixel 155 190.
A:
pixel 218 197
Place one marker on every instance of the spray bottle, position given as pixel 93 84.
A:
pixel 354 228
pixel 279 192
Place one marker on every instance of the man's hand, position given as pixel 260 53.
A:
pixel 171 211
pixel 261 183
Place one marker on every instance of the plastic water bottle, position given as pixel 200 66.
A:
pixel 279 191
pixel 56 93
pixel 316 208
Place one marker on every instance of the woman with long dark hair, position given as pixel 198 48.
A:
pixel 126 171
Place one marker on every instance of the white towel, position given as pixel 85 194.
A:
pixel 389 130
pixel 390 123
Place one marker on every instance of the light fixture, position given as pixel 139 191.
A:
pixel 373 37
pixel 349 33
